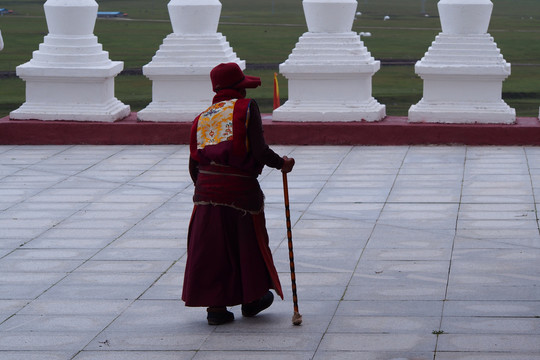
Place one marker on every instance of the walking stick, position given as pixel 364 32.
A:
pixel 297 318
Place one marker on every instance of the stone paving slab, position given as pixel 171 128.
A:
pixel 402 252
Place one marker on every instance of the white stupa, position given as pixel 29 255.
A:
pixel 70 77
pixel 180 70
pixel 329 71
pixel 463 70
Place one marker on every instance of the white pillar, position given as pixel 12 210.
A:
pixel 180 70
pixel 329 71
pixel 1 41
pixel 70 77
pixel 463 70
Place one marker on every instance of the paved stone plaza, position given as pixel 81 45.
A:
pixel 401 253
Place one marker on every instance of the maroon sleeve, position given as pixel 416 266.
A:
pixel 260 150
pixel 193 169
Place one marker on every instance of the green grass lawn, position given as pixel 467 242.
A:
pixel 266 31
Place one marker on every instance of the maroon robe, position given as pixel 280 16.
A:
pixel 229 261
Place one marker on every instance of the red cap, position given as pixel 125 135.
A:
pixel 230 76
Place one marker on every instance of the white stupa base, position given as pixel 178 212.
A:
pixel 463 94
pixel 330 97
pixel 329 77
pixel 70 93
pixel 319 111
pixel 177 97
pixel 460 87
pixel 180 75
pixel 111 111
pixel 160 111
pixel 464 113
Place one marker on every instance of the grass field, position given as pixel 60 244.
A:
pixel 265 32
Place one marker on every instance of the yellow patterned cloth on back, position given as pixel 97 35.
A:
pixel 215 124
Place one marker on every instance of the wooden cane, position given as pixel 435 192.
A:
pixel 297 318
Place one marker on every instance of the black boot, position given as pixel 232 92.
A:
pixel 255 307
pixel 219 316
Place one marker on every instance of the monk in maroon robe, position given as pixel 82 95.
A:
pixel 229 262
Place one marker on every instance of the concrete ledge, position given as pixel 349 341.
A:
pixel 390 131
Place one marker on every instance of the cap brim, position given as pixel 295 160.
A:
pixel 249 82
